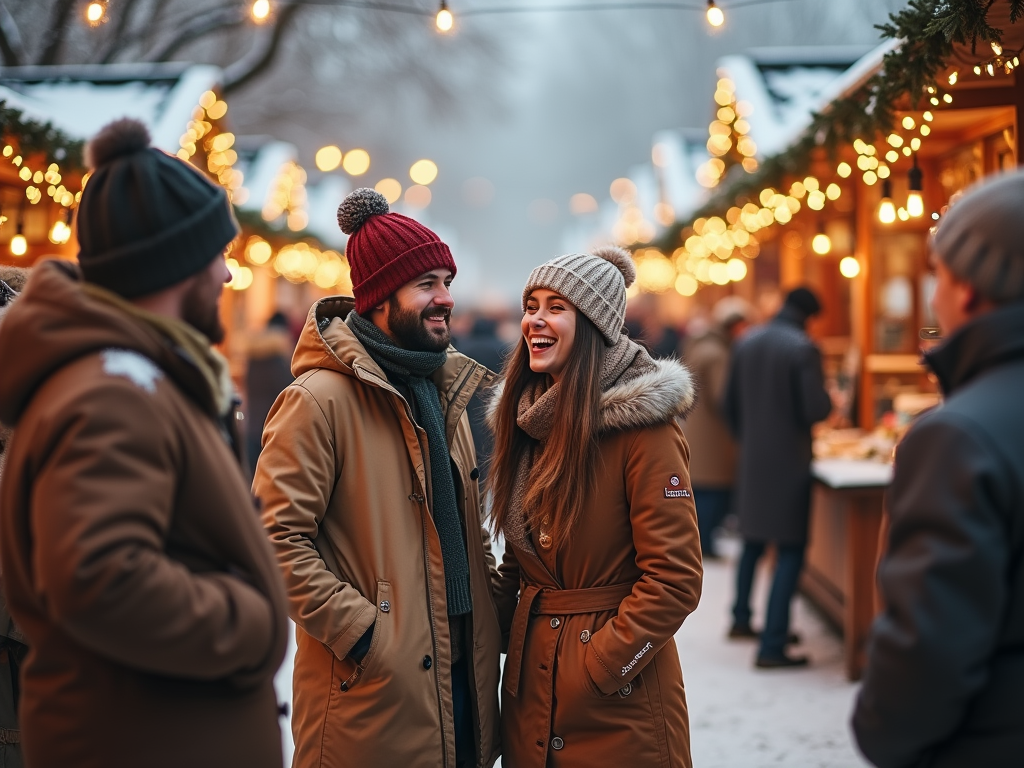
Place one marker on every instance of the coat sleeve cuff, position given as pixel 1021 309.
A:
pixel 342 644
pixel 604 678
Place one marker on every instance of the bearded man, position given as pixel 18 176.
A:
pixel 369 487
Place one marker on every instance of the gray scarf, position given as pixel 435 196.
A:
pixel 411 368
pixel 622 363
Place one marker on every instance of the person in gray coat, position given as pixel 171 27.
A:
pixel 944 684
pixel 774 395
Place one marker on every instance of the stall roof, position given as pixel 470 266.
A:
pixel 80 100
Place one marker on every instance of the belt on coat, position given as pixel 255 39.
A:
pixel 548 601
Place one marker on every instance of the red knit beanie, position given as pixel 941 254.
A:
pixel 385 250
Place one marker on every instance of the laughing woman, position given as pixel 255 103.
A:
pixel 602 561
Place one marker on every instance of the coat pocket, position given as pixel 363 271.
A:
pixel 381 631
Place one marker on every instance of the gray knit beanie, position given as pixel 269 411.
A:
pixel 981 237
pixel 595 283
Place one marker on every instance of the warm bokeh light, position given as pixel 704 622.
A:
pixel 444 19
pixel 390 188
pixel 217 110
pixel 418 196
pixel 258 250
pixel 737 269
pixel 95 13
pixel 844 170
pixel 328 158
pixel 849 267
pixel 715 16
pixel 423 172
pixel 356 162
pixel 886 211
pixel 622 191
pixel 19 245
pixel 686 285
pixel 260 11
pixel 821 244
pixel 60 233
pixel 582 203
pixel 915 204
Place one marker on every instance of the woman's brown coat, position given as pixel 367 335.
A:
pixel 592 676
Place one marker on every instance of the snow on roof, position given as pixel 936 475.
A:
pixel 82 99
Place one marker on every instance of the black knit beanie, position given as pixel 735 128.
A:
pixel 147 220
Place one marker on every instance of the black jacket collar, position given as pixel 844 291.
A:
pixel 984 342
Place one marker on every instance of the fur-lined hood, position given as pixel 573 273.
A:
pixel 667 392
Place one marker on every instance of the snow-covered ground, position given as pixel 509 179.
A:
pixel 741 717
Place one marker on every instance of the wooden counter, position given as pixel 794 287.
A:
pixel 839 574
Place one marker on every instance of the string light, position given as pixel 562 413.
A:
pixel 328 158
pixel 716 17
pixel 19 245
pixel 849 267
pixel 915 200
pixel 96 13
pixel 444 19
pixel 886 209
pixel 821 244
pixel 260 11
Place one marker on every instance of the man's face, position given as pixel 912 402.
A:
pixel 418 315
pixel 200 306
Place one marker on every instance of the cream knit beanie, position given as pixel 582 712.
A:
pixel 595 283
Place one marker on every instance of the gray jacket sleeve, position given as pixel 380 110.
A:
pixel 944 589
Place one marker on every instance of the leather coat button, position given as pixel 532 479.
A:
pixel 585 636
pixel 475 474
pixel 555 622
pixel 385 606
pixel 557 743
pixel 344 687
pixel 427 662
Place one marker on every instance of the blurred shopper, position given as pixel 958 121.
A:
pixel 602 557
pixel 132 557
pixel 774 395
pixel 12 642
pixel 713 458
pixel 368 481
pixel 268 373
pixel 944 684
pixel 483 345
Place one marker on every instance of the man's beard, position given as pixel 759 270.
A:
pixel 406 325
pixel 199 308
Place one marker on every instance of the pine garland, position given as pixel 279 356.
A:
pixel 928 29
pixel 33 137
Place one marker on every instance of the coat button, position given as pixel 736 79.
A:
pixel 555 622
pixel 585 636
pixel 475 474
pixel 344 687
pixel 625 690
pixel 385 606
pixel 427 662
pixel 557 743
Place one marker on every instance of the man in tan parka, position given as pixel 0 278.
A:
pixel 369 487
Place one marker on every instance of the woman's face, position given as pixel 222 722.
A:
pixel 549 328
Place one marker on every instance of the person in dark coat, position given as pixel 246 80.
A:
pixel 774 395
pixel 944 684
pixel 269 372
pixel 484 346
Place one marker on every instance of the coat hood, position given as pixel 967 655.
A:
pixel 984 342
pixel 327 342
pixel 55 322
pixel 664 393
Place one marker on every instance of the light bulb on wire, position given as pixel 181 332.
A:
pixel 915 200
pixel 444 19
pixel 715 16
pixel 96 13
pixel 260 11
pixel 821 243
pixel 887 210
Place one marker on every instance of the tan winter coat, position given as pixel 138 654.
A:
pixel 713 463
pixel 592 676
pixel 133 557
pixel 342 466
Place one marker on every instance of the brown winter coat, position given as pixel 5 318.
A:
pixel 133 557
pixel 592 676
pixel 342 465
pixel 713 462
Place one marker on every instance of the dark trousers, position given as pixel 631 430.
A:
pixel 713 505
pixel 462 706
pixel 790 561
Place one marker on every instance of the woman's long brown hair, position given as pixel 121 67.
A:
pixel 559 480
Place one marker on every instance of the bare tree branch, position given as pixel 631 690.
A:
pixel 56 31
pixel 213 20
pixel 10 38
pixel 261 57
pixel 119 39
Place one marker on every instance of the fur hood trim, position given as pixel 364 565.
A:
pixel 667 392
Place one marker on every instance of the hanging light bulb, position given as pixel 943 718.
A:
pixel 887 211
pixel 821 243
pixel 915 200
pixel 260 11
pixel 96 13
pixel 60 233
pixel 444 18
pixel 715 16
